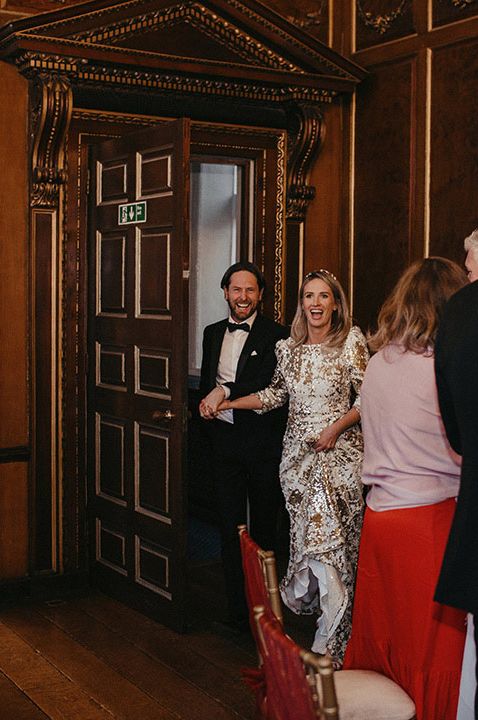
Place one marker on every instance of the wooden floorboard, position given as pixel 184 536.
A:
pixel 110 690
pixel 213 663
pixel 95 659
pixel 52 691
pixel 15 704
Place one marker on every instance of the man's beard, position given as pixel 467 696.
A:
pixel 240 318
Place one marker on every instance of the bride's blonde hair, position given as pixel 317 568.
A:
pixel 340 322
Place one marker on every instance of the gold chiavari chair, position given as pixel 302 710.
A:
pixel 300 685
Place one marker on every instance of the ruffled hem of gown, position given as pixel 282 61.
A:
pixel 314 587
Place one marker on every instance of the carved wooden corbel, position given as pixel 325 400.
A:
pixel 52 107
pixel 306 134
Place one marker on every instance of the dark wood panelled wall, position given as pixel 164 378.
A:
pixel 410 161
pixel 14 318
pixel 395 179
pixel 415 171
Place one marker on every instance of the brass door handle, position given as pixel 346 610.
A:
pixel 162 415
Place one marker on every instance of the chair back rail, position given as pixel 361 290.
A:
pixel 273 584
pixel 326 704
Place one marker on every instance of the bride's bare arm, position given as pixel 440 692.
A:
pixel 248 402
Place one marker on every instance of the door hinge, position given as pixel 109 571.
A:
pixel 88 178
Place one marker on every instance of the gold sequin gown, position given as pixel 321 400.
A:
pixel 323 491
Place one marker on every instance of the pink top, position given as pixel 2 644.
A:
pixel 407 459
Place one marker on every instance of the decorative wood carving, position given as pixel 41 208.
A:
pixel 35 6
pixel 309 21
pixel 310 15
pixel 306 133
pixel 381 23
pixel 462 4
pixel 280 231
pixel 132 80
pixel 204 20
pixel 52 106
pixel 449 11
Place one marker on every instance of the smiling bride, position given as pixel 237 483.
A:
pixel 319 371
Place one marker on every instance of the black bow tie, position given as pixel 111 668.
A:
pixel 238 326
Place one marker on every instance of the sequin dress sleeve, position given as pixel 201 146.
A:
pixel 356 355
pixel 277 393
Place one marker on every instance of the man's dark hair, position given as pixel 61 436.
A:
pixel 243 265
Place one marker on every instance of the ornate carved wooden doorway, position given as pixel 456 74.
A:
pixel 102 68
pixel 138 279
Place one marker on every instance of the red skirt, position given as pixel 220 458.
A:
pixel 397 628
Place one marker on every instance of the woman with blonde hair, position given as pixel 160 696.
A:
pixel 413 477
pixel 319 371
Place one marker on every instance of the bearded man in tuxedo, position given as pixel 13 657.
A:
pixel 239 358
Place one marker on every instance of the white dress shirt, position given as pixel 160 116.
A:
pixel 231 349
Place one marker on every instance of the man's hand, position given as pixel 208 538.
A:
pixel 208 407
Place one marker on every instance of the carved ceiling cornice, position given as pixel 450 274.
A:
pixel 108 29
pixel 303 47
pixel 274 61
pixel 79 72
pixel 199 17
pixel 99 49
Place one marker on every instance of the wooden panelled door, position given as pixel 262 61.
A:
pixel 137 384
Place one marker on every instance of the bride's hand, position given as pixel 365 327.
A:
pixel 326 440
pixel 224 405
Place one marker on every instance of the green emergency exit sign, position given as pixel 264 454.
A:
pixel 132 213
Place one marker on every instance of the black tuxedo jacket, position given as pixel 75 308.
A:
pixel 456 365
pixel 255 368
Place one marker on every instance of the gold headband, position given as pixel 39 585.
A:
pixel 314 273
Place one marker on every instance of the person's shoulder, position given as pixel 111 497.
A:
pixel 355 332
pixel 284 347
pixel 275 328
pixel 285 343
pixel 459 320
pixel 466 296
pixel 397 355
pixel 210 329
pixel 355 336
pixel 460 313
